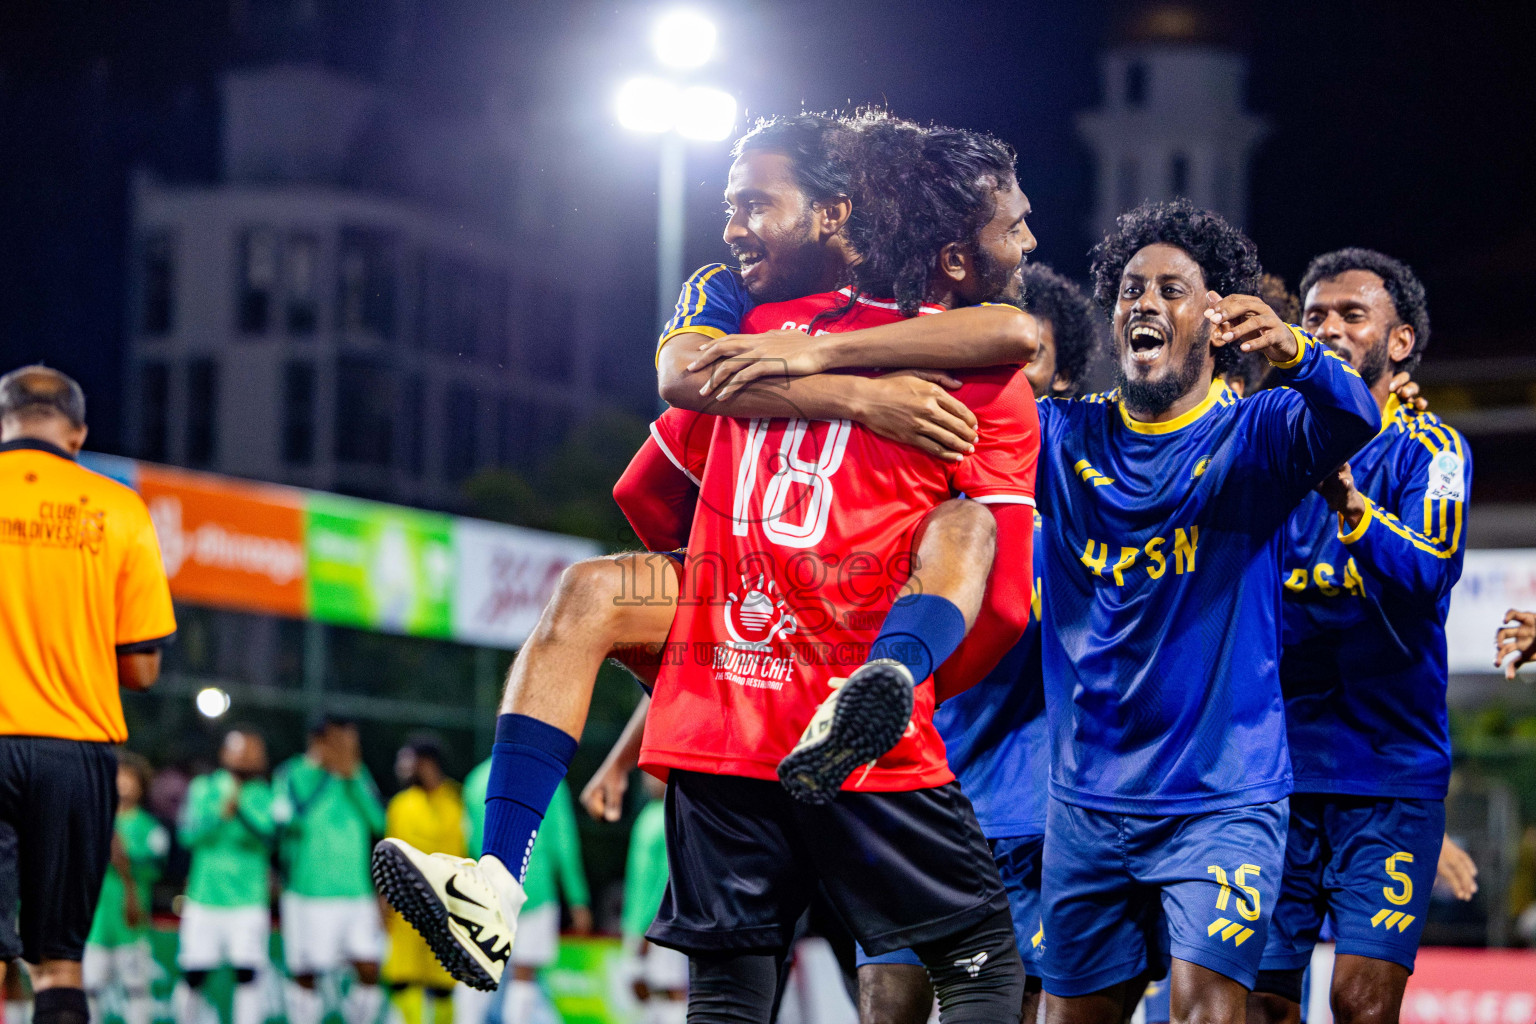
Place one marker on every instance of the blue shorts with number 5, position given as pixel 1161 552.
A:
pixel 1366 862
pixel 1121 893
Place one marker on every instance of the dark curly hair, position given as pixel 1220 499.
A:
pixel 1074 322
pixel 1229 261
pixel 1279 297
pixel 1402 285
pixel 810 141
pixel 914 191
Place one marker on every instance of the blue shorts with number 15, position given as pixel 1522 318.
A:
pixel 1121 893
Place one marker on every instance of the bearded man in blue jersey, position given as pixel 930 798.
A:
pixel 995 733
pixel 1369 566
pixel 1164 504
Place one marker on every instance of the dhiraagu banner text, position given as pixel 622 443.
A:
pixel 378 566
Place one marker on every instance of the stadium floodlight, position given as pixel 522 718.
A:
pixel 647 105
pixel 212 701
pixel 684 39
pixel 705 113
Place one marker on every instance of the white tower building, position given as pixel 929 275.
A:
pixel 1172 122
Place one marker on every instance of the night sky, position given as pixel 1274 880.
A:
pixel 1397 126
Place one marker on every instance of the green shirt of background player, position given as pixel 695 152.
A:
pixel 138 856
pixel 554 868
pixel 227 825
pixel 645 871
pixel 329 815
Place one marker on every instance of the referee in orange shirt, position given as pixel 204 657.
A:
pixel 84 607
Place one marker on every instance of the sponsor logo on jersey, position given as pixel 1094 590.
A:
pixel 1446 480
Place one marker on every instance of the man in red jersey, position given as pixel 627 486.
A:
pixel 799 545
pixel 787 184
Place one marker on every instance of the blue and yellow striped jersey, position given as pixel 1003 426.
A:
pixel 1161 613
pixel 712 302
pixel 1364 664
pixel 995 732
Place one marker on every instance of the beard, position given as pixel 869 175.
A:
pixel 1155 397
pixel 795 261
pixel 998 284
pixel 1374 362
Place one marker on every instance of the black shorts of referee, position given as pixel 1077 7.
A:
pixel 58 799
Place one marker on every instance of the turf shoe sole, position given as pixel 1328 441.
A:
pixel 860 721
pixel 451 905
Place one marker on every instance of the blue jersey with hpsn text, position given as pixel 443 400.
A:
pixel 1161 628
pixel 1364 666
pixel 995 733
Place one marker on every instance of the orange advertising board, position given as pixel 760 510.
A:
pixel 228 543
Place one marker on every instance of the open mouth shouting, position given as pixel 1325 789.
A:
pixel 1145 342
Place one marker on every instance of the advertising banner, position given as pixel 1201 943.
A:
pixel 378 566
pixel 1471 986
pixel 1492 582
pixel 228 543
pixel 504 576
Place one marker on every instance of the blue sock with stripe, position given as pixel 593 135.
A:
pixel 921 631
pixel 527 763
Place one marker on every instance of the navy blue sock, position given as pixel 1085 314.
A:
pixel 527 763
pixel 921 631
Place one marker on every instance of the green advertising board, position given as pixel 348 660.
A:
pixel 377 566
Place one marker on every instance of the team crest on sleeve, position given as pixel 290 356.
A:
pixel 1446 479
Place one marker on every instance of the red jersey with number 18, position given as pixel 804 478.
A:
pixel 801 541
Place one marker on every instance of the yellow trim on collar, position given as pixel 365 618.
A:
pixel 1302 341
pixel 1390 414
pixel 1211 400
pixel 1358 531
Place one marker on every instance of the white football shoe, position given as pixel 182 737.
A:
pixel 466 911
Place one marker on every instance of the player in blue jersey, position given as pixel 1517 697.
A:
pixel 995 732
pixel 1164 503
pixel 1369 565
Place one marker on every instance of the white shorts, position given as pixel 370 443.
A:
pixel 127 965
pixel 664 970
pixel 321 935
pixel 213 936
pixel 538 937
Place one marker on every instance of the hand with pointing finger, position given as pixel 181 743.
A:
pixel 1245 321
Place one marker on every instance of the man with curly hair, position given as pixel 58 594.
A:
pixel 1369 564
pixel 1164 504
pixel 995 733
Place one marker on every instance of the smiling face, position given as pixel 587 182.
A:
pixel 1354 315
pixel 780 239
pixel 1162 338
pixel 1001 245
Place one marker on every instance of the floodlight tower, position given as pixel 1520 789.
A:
pixel 676 111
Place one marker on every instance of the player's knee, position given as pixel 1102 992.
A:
pixel 1364 999
pixel 195 979
pixel 367 973
pixel 963 524
pixel 977 974
pixel 305 981
pixel 245 975
pixel 588 595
